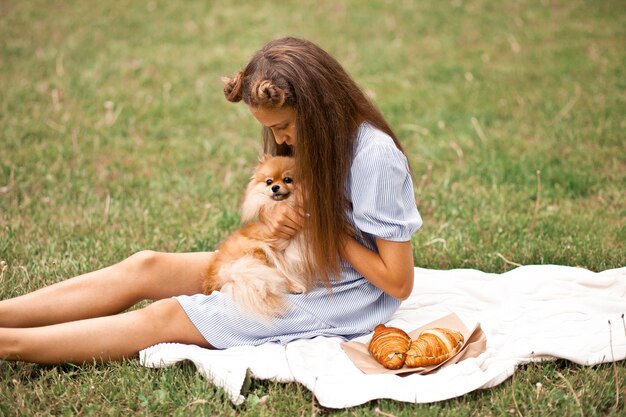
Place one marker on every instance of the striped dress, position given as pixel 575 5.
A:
pixel 380 190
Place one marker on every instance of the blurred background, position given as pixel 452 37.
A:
pixel 115 135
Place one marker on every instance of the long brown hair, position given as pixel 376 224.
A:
pixel 329 107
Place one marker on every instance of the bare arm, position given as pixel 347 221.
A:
pixel 391 269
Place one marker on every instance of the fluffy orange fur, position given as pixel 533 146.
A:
pixel 254 268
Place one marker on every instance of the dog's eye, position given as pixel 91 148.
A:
pixel 269 181
pixel 287 180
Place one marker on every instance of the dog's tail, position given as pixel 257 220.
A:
pixel 254 286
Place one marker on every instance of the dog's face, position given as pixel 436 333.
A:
pixel 273 178
pixel 272 183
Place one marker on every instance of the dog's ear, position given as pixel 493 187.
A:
pixel 262 160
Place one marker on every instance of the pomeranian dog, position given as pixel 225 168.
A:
pixel 255 269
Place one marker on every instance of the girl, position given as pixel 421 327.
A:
pixel 358 216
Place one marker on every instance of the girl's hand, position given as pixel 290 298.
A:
pixel 284 221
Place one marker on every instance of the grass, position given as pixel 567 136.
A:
pixel 115 137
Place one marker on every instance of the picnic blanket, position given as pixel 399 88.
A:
pixel 530 313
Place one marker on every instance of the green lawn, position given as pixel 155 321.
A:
pixel 115 137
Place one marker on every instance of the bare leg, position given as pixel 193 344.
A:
pixel 102 339
pixel 145 275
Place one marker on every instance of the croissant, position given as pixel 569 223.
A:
pixel 433 346
pixel 389 345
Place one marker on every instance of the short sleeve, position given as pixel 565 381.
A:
pixel 381 191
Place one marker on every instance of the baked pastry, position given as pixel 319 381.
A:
pixel 389 345
pixel 433 346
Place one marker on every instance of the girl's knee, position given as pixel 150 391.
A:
pixel 156 275
pixel 144 260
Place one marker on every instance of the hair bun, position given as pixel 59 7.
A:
pixel 233 87
pixel 266 93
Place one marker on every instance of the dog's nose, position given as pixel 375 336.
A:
pixel 275 188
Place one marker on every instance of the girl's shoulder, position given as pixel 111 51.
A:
pixel 374 144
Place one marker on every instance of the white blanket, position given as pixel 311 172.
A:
pixel 530 313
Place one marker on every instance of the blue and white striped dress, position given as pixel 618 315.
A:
pixel 380 189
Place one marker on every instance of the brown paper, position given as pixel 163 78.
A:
pixel 475 343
